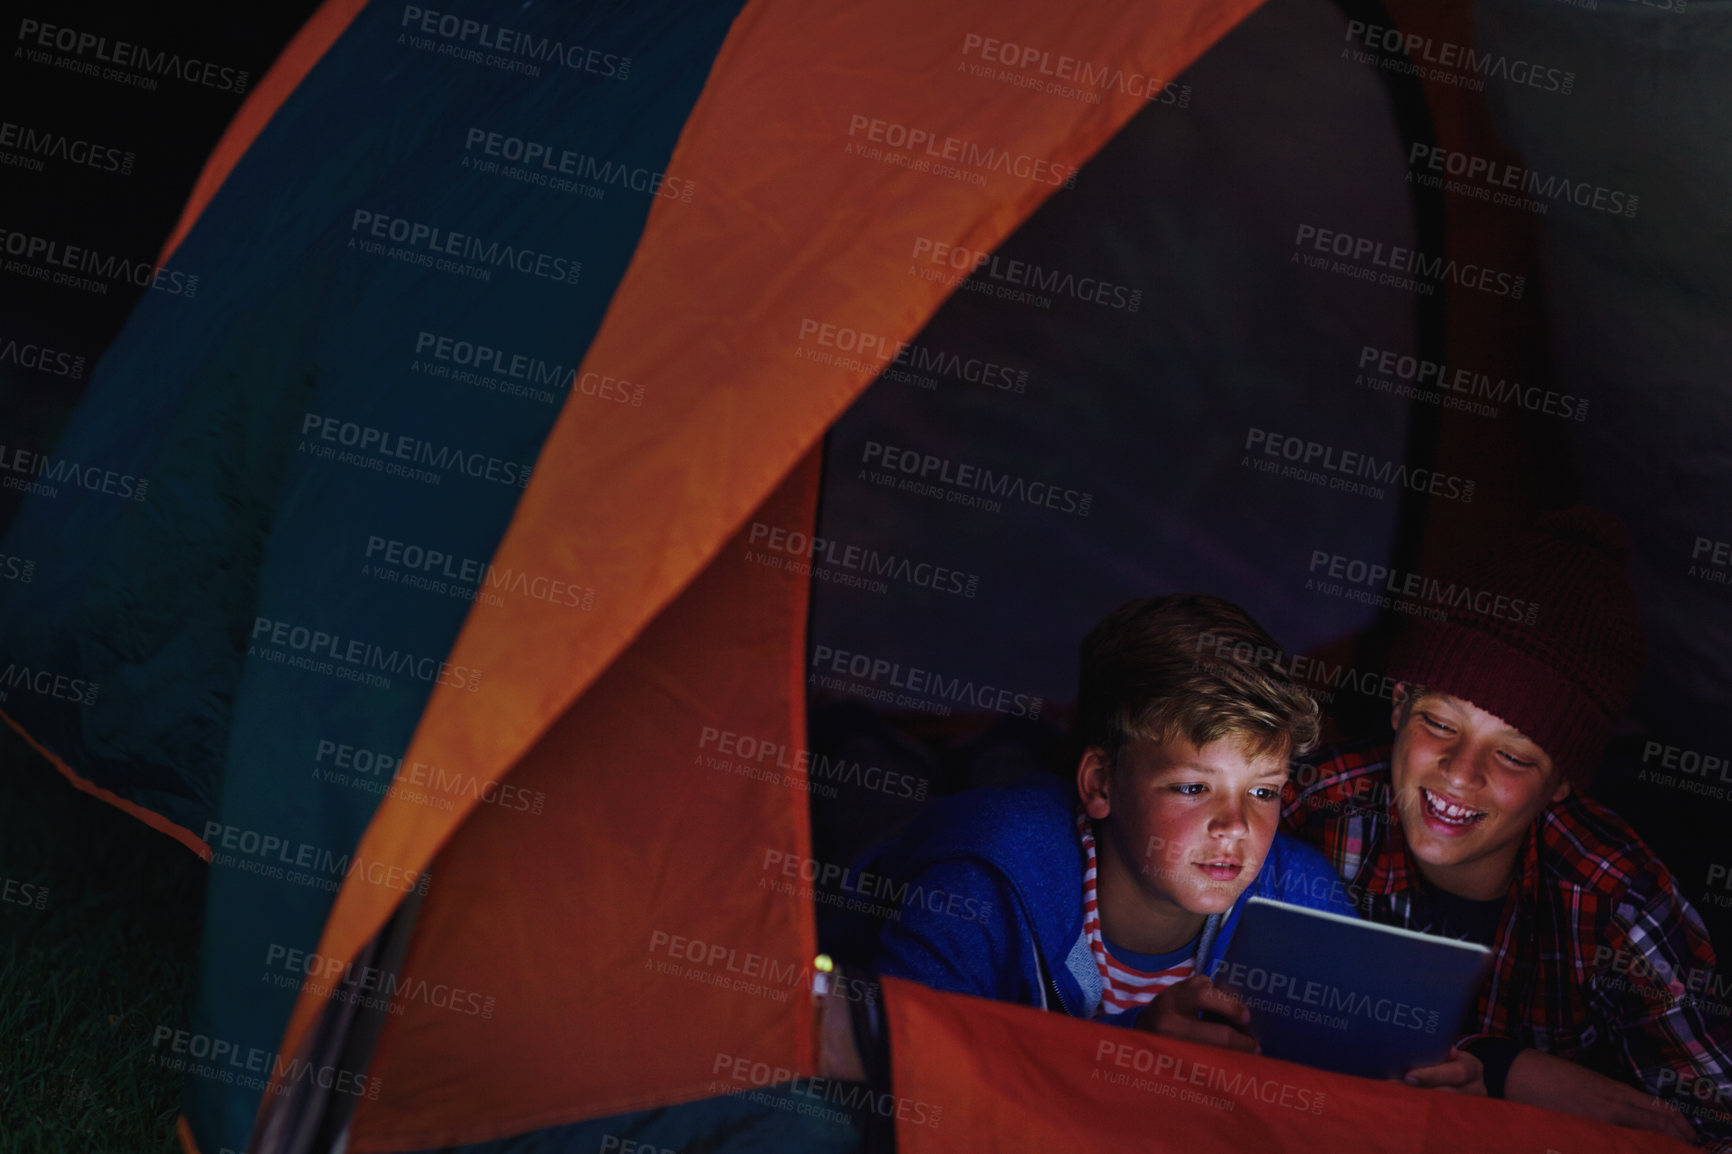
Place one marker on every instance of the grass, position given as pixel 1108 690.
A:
pixel 85 979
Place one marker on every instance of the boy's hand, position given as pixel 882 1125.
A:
pixel 1460 1073
pixel 1174 1014
pixel 1559 1084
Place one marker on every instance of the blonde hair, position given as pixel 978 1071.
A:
pixel 1193 666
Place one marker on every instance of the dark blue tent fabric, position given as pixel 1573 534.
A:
pixel 315 422
pixel 814 1117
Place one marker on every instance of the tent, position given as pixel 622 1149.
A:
pixel 535 412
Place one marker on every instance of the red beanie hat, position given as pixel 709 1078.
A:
pixel 1543 632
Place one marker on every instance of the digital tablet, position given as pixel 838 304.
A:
pixel 1348 995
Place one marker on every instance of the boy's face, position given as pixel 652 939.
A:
pixel 1187 827
pixel 1467 787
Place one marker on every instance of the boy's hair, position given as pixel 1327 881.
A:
pixel 1414 693
pixel 1558 651
pixel 1417 693
pixel 1193 666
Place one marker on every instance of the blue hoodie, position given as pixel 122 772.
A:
pixel 993 905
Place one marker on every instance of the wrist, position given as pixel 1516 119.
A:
pixel 1496 1057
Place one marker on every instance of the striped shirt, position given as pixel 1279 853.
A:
pixel 1128 980
pixel 1597 956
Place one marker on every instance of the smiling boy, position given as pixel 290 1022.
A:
pixel 1109 896
pixel 1472 823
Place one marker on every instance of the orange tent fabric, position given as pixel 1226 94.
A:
pixel 638 500
pixel 618 938
pixel 300 57
pixel 978 1075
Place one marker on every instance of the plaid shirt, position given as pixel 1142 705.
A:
pixel 1598 958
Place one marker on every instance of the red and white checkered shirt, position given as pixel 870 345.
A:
pixel 1598 957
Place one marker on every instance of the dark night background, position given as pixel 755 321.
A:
pixel 1148 412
